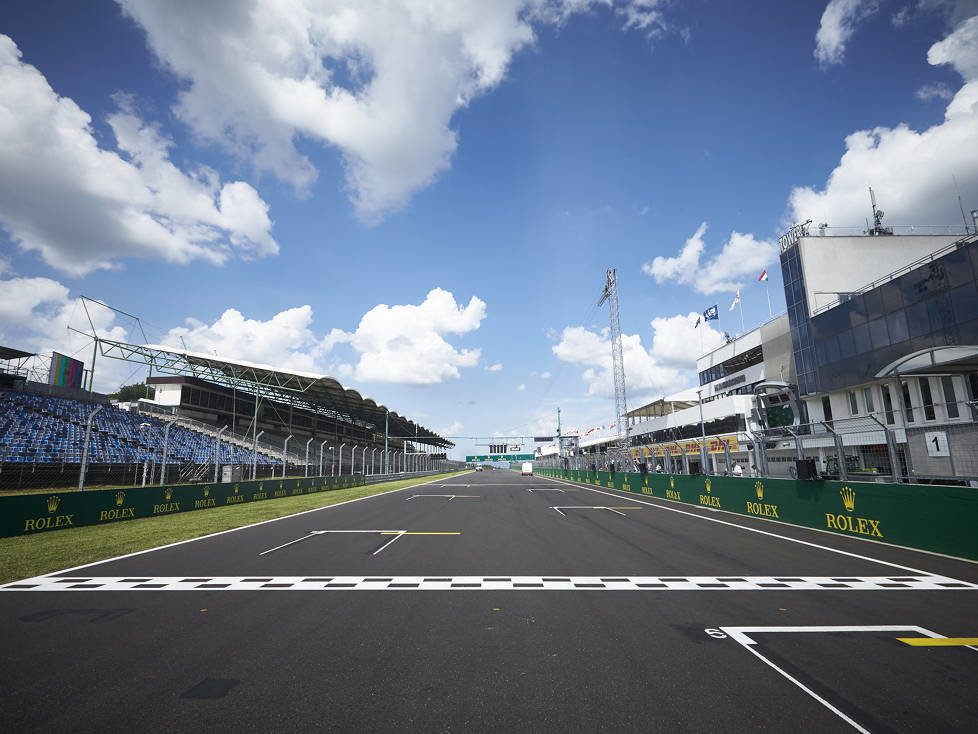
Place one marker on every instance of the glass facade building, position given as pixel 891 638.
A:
pixel 933 305
pixel 797 302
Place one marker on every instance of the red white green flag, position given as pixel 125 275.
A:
pixel 763 276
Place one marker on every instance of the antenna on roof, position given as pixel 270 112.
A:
pixel 967 230
pixel 878 228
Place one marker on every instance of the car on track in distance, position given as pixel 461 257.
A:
pixel 479 467
pixel 527 469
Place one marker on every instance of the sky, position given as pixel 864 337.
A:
pixel 421 199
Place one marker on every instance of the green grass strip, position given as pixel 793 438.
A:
pixel 27 556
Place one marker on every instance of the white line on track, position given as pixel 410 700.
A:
pixel 449 496
pixel 284 545
pixel 588 507
pixel 543 489
pixel 243 527
pixel 388 542
pixel 753 530
pixel 396 533
pixel 433 582
pixel 742 636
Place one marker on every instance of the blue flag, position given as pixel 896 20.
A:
pixel 711 314
pixel 697 324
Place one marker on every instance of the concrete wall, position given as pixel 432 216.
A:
pixel 779 358
pixel 845 264
pixel 732 348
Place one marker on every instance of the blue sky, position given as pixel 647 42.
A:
pixel 422 202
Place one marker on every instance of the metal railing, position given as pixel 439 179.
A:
pixel 848 295
pixel 862 448
pixel 806 229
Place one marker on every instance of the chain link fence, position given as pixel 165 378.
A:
pixel 870 448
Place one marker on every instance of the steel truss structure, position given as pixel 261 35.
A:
pixel 319 394
pixel 610 294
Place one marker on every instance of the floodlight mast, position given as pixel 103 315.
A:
pixel 610 294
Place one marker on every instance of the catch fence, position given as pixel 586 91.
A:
pixel 869 448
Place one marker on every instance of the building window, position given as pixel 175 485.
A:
pixel 907 405
pixel 887 403
pixel 868 399
pixel 926 399
pixel 827 408
pixel 853 404
pixel 950 399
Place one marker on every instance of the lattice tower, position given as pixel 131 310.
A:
pixel 610 294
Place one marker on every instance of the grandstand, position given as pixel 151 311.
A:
pixel 330 429
pixel 46 435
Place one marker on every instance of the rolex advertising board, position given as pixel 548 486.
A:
pixel 32 513
pixel 931 517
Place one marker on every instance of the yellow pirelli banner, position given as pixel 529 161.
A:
pixel 713 445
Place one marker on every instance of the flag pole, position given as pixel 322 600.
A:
pixel 770 313
pixel 741 302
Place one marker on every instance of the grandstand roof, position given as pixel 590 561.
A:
pixel 8 353
pixel 319 393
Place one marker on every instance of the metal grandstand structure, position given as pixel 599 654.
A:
pixel 317 393
pixel 13 362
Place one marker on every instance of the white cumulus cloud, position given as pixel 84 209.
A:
pixel 911 172
pixel 407 343
pixel 34 314
pixel 839 21
pixel 645 376
pixel 82 207
pixel 286 340
pixel 741 256
pixel 403 344
pixel 677 340
pixel 378 81
pixel 494 368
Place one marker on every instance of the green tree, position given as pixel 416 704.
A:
pixel 131 393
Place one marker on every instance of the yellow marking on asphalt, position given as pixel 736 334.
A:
pixel 416 533
pixel 939 641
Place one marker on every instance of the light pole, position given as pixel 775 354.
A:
pixel 372 465
pixel 321 447
pixel 703 454
pixel 285 448
pixel 340 460
pixel 142 427
pixel 84 461
pixel 307 455
pixel 254 456
pixel 353 459
pixel 332 464
pixel 387 463
pixel 166 450
pixel 363 462
pixel 217 453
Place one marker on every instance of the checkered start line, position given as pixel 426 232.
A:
pixel 488 583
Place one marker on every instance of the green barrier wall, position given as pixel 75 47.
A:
pixel 930 517
pixel 33 513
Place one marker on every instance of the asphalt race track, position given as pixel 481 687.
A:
pixel 495 602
